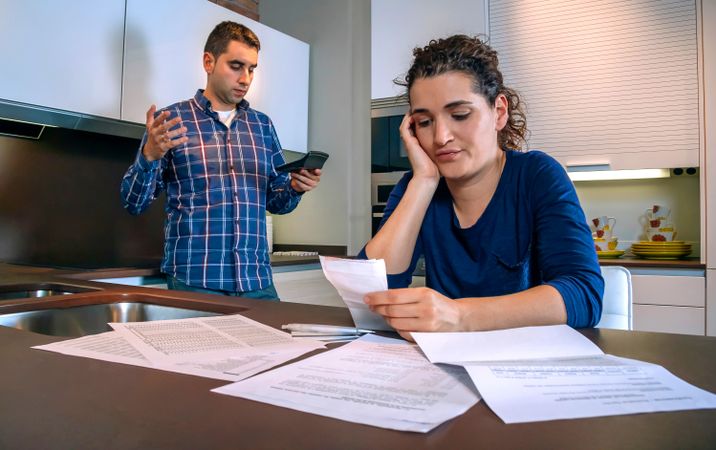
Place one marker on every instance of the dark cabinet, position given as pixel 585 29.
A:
pixel 387 150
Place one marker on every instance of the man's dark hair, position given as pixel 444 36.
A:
pixel 226 32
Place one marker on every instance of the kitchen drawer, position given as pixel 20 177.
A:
pixel 669 290
pixel 670 319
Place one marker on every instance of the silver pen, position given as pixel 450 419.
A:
pixel 324 329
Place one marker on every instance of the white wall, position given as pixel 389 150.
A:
pixel 398 26
pixel 338 211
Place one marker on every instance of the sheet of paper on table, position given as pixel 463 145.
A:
pixel 373 380
pixel 202 338
pixel 353 278
pixel 547 373
pixel 259 348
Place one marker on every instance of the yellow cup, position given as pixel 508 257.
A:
pixel 603 245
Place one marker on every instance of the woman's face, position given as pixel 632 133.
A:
pixel 456 127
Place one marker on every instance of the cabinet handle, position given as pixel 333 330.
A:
pixel 587 167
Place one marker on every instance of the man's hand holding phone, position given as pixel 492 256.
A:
pixel 305 172
pixel 304 180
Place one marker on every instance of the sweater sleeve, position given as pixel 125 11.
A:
pixel 398 280
pixel 566 255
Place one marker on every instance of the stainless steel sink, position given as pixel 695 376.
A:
pixel 92 319
pixel 38 290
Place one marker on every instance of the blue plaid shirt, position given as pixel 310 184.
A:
pixel 219 185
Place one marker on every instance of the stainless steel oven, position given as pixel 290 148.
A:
pixel 381 186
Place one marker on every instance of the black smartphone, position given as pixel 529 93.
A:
pixel 312 160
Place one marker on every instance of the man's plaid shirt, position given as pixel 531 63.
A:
pixel 219 185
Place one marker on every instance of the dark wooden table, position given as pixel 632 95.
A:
pixel 52 401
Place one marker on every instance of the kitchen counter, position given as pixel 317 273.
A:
pixel 14 271
pixel 62 402
pixel 8 271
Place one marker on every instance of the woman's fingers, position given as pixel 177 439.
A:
pixel 420 162
pixel 398 310
pixel 416 309
pixel 395 296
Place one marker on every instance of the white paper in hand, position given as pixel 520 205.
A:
pixel 353 278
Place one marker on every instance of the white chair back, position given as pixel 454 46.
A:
pixel 617 300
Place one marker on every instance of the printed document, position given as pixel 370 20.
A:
pixel 109 346
pixel 353 279
pixel 535 390
pixel 257 353
pixel 546 373
pixel 373 380
pixel 181 340
pixel 500 345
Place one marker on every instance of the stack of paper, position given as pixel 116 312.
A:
pixel 228 348
pixel 353 279
pixel 546 373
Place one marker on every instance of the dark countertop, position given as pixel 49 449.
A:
pixel 282 261
pixel 55 401
pixel 8 271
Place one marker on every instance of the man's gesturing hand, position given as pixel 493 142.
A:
pixel 162 134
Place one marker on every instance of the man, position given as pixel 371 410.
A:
pixel 216 158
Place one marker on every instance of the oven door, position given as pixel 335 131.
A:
pixel 377 218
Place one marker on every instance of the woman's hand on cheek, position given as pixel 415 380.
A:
pixel 422 165
pixel 416 309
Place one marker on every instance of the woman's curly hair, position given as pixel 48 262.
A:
pixel 471 56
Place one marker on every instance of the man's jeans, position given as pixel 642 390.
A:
pixel 267 293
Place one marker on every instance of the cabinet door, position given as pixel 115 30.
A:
pixel 387 150
pixel 393 41
pixel 669 319
pixel 669 290
pixel 163 64
pixel 380 144
pixel 63 54
pixel 669 304
pixel 711 302
pixel 398 156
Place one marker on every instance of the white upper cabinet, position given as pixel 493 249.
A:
pixel 609 83
pixel 398 26
pixel 163 64
pixel 63 54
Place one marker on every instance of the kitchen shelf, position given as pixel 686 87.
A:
pixel 630 261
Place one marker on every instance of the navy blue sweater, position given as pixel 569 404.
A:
pixel 532 232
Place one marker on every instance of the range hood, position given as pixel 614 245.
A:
pixel 42 115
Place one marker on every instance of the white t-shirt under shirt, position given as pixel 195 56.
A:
pixel 227 116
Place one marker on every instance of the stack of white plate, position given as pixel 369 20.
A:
pixel 661 250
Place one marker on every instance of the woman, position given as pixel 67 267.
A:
pixel 505 240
